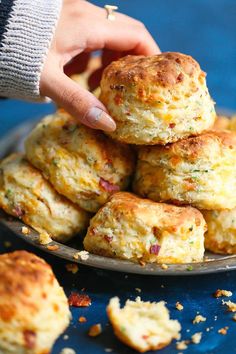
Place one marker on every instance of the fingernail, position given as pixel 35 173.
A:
pixel 99 119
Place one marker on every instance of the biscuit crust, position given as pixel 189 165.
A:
pixel 81 163
pixel 221 234
pixel 33 307
pixel 157 99
pixel 199 171
pixel 136 229
pixel 26 194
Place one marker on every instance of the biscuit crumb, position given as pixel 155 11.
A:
pixel 230 305
pixel 53 247
pixel 142 263
pixel 95 330
pixel 138 290
pixel 67 351
pixel 108 350
pixel 82 319
pixel 189 268
pixel 25 230
pixel 162 286
pixel 83 255
pixel 223 330
pixel 182 345
pixel 179 306
pixel 198 319
pixel 44 238
pixel 234 317
pixel 220 293
pixel 65 337
pixel 72 267
pixel 196 338
pixel 164 266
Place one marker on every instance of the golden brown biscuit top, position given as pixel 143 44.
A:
pixel 21 275
pixel 194 147
pixel 65 132
pixel 166 69
pixel 124 203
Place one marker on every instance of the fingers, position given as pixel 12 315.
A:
pixel 124 34
pixel 127 37
pixel 79 102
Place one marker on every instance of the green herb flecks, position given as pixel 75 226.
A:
pixel 123 329
pixel 55 162
pixel 9 193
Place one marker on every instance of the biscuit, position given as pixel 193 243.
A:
pixel 34 310
pixel 157 99
pixel 25 194
pixel 225 123
pixel 199 171
pixel 221 123
pixel 221 234
pixel 136 229
pixel 142 325
pixel 81 163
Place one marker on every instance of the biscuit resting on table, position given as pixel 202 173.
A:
pixel 34 310
pixel 143 325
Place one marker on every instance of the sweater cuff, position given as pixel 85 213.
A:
pixel 24 46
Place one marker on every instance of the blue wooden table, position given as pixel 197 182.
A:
pixel 205 29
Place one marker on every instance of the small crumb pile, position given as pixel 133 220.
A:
pixel 72 267
pixel 82 319
pixel 196 338
pixel 223 330
pixel 198 319
pixel 220 293
pixel 182 345
pixel 25 230
pixel 179 306
pixel 95 330
pixel 83 255
pixel 230 305
pixel 67 351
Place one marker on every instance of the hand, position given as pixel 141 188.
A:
pixel 83 28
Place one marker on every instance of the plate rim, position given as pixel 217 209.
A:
pixel 222 264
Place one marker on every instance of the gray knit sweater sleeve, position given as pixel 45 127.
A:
pixel 26 30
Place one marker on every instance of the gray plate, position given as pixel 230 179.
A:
pixel 214 263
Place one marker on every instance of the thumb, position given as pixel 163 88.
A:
pixel 79 102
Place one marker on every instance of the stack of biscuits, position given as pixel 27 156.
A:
pixel 165 149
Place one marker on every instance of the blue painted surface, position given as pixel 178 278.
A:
pixel 206 30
